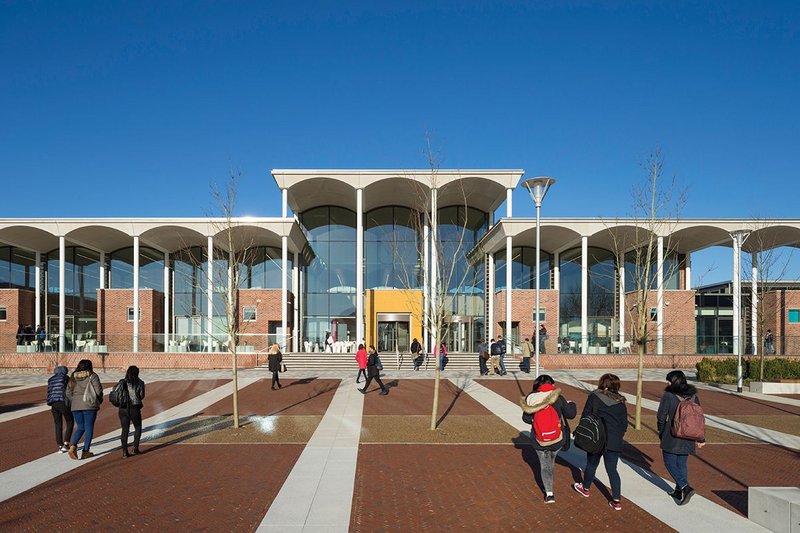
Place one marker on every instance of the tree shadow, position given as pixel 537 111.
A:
pixel 458 389
pixel 18 406
pixel 641 463
pixel 304 381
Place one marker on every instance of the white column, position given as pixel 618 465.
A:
pixel 426 334
pixel 737 317
pixel 509 198
pixel 284 202
pixel 360 265
pixel 660 297
pixel 557 271
pixel 622 302
pixel 166 302
pixel 62 295
pixel 754 305
pixel 38 287
pixel 284 291
pixel 209 291
pixel 508 293
pixel 687 273
pixel 584 295
pixel 103 272
pixel 135 293
pixel 490 295
pixel 296 300
pixel 433 310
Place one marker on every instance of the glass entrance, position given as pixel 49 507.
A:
pixel 69 330
pixel 458 335
pixel 393 332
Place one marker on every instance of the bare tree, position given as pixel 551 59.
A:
pixel 771 263
pixel 657 203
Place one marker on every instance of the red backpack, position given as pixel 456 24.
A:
pixel 689 421
pixel 547 426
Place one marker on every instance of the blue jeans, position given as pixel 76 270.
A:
pixel 525 366
pixel 610 459
pixel 85 422
pixel 676 466
pixel 502 365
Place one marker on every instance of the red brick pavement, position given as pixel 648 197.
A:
pixel 297 397
pixel 719 403
pixel 415 397
pixel 21 399
pixel 31 437
pixel 170 488
pixel 475 488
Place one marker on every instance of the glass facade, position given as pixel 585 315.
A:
pixel 329 298
pixel 17 268
pixel 393 249
pixel 82 280
pixel 601 296
pixel 635 274
pixel 151 269
pixel 523 269
pixel 460 229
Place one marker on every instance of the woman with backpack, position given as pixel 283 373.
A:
pixel 609 406
pixel 676 450
pixel 374 368
pixel 85 394
pixel 131 412
pixel 548 434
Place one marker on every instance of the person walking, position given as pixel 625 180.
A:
pixel 41 335
pixel 527 348
pixel 676 450
pixel 132 412
pixel 274 363
pixel 542 337
pixel 85 394
pixel 544 395
pixel 442 356
pixel 483 356
pixel 494 358
pixel 373 372
pixel 769 343
pixel 501 343
pixel 57 400
pixel 361 359
pixel 609 405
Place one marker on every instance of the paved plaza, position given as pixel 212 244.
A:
pixel 317 455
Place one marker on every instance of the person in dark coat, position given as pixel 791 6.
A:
pixel 57 400
pixel 608 405
pixel 676 450
pixel 84 394
pixel 132 413
pixel 275 359
pixel 373 372
pixel 544 394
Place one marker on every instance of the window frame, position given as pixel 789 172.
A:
pixel 245 310
pixel 130 313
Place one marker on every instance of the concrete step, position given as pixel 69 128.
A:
pixel 346 361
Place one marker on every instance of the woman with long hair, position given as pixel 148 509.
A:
pixel 609 405
pixel 132 412
pixel 275 359
pixel 361 359
pixel 85 395
pixel 373 372
pixel 676 450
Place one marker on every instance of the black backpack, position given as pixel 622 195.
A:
pixel 590 434
pixel 496 349
pixel 119 396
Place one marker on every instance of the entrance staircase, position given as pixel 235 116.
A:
pixel 321 361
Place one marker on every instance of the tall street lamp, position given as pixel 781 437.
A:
pixel 537 187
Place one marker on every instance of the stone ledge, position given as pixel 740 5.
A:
pixel 769 387
pixel 775 508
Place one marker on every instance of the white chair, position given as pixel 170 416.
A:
pixel 616 346
pixel 625 347
pixel 80 345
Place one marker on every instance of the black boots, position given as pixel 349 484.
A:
pixel 682 496
pixel 125 453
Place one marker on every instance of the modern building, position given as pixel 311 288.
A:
pixel 364 256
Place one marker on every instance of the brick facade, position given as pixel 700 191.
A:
pixel 20 309
pixel 679 330
pixel 523 302
pixel 777 305
pixel 116 331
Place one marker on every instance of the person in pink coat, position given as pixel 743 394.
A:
pixel 361 358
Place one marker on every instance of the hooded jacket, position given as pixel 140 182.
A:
pixel 672 396
pixel 76 390
pixel 57 385
pixel 610 408
pixel 548 395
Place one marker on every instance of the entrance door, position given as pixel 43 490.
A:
pixel 458 337
pixel 393 332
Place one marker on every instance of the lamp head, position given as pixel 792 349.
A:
pixel 537 187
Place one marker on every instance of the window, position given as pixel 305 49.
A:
pixel 542 314
pixel 653 314
pixel 3 313
pixel 130 314
pixel 249 314
pixel 794 316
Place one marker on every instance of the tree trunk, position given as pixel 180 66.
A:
pixel 639 372
pixel 235 390
pixel 434 413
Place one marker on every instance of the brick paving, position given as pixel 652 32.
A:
pixel 297 397
pixel 177 488
pixel 33 436
pixel 475 488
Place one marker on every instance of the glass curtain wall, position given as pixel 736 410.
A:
pixel 460 229
pixel 17 268
pixel 330 286
pixel 523 269
pixel 601 298
pixel 151 269
pixel 635 271
pixel 392 249
pixel 82 280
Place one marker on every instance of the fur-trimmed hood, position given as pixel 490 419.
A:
pixel 536 401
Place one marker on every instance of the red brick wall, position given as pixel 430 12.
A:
pixel 114 329
pixel 268 309
pixel 523 302
pixel 776 317
pixel 679 321
pixel 20 309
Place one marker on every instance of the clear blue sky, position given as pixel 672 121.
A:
pixel 131 109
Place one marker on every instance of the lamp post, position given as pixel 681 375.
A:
pixel 537 188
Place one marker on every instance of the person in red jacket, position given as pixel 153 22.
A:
pixel 361 358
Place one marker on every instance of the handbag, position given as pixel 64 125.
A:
pixel 89 396
pixel 283 367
